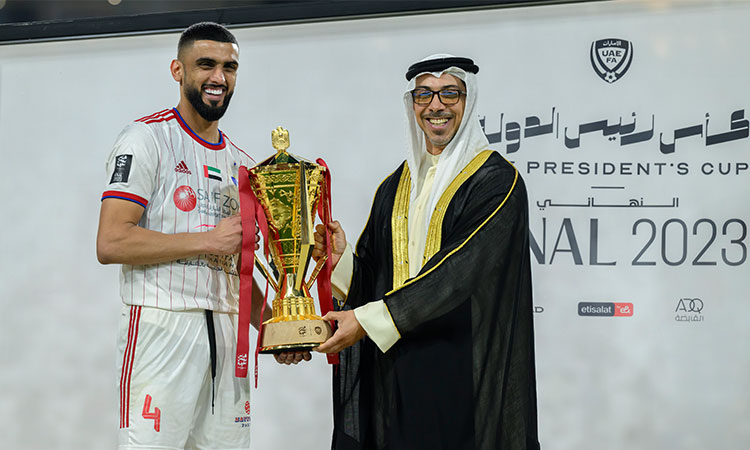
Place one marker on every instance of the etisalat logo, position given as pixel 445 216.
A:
pixel 611 58
pixel 689 310
pixel 600 309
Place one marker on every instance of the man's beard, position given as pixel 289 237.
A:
pixel 210 113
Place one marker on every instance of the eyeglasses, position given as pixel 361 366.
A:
pixel 447 96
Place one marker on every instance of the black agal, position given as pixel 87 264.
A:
pixel 440 64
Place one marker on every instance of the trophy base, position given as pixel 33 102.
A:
pixel 294 335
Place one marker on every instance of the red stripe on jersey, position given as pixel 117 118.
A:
pixel 125 371
pixel 218 146
pixel 161 230
pixel 169 143
pixel 127 366
pixel 132 356
pixel 156 114
pixel 148 117
pixel 166 118
pixel 125 196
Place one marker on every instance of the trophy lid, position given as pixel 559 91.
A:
pixel 282 158
pixel 280 141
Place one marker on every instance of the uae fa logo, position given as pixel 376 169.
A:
pixel 611 58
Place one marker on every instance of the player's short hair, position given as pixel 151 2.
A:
pixel 204 31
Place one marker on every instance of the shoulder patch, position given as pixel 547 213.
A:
pixel 122 169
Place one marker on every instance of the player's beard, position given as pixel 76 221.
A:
pixel 209 112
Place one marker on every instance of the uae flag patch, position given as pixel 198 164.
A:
pixel 212 172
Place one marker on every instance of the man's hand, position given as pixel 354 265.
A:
pixel 348 333
pixel 226 238
pixel 292 357
pixel 338 240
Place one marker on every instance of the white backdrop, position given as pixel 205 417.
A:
pixel 669 371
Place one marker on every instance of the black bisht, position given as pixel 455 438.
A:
pixel 462 375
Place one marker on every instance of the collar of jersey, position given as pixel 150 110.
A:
pixel 218 146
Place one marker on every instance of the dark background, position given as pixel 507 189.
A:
pixel 42 20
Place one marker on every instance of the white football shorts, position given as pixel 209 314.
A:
pixel 164 368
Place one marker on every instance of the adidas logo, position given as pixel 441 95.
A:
pixel 182 168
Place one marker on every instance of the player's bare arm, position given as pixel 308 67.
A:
pixel 121 241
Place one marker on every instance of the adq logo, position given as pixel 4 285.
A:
pixel 611 58
pixel 689 310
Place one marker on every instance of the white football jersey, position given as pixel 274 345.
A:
pixel 186 185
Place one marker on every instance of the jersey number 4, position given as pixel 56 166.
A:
pixel 156 415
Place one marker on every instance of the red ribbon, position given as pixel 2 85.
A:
pixel 253 219
pixel 325 295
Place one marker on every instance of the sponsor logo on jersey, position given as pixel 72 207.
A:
pixel 182 168
pixel 122 169
pixel 216 204
pixel 611 58
pixel 244 421
pixel 222 263
pixel 211 172
pixel 184 198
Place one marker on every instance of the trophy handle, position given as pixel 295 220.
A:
pixel 316 271
pixel 307 242
pixel 265 273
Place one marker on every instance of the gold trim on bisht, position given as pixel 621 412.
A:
pixel 400 229
pixel 462 244
pixel 435 229
pixel 400 221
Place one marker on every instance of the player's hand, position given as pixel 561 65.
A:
pixel 226 238
pixel 292 357
pixel 338 240
pixel 349 331
pixel 257 238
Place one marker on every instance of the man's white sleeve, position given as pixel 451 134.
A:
pixel 378 324
pixel 341 277
pixel 374 317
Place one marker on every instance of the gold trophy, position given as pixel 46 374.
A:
pixel 288 189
